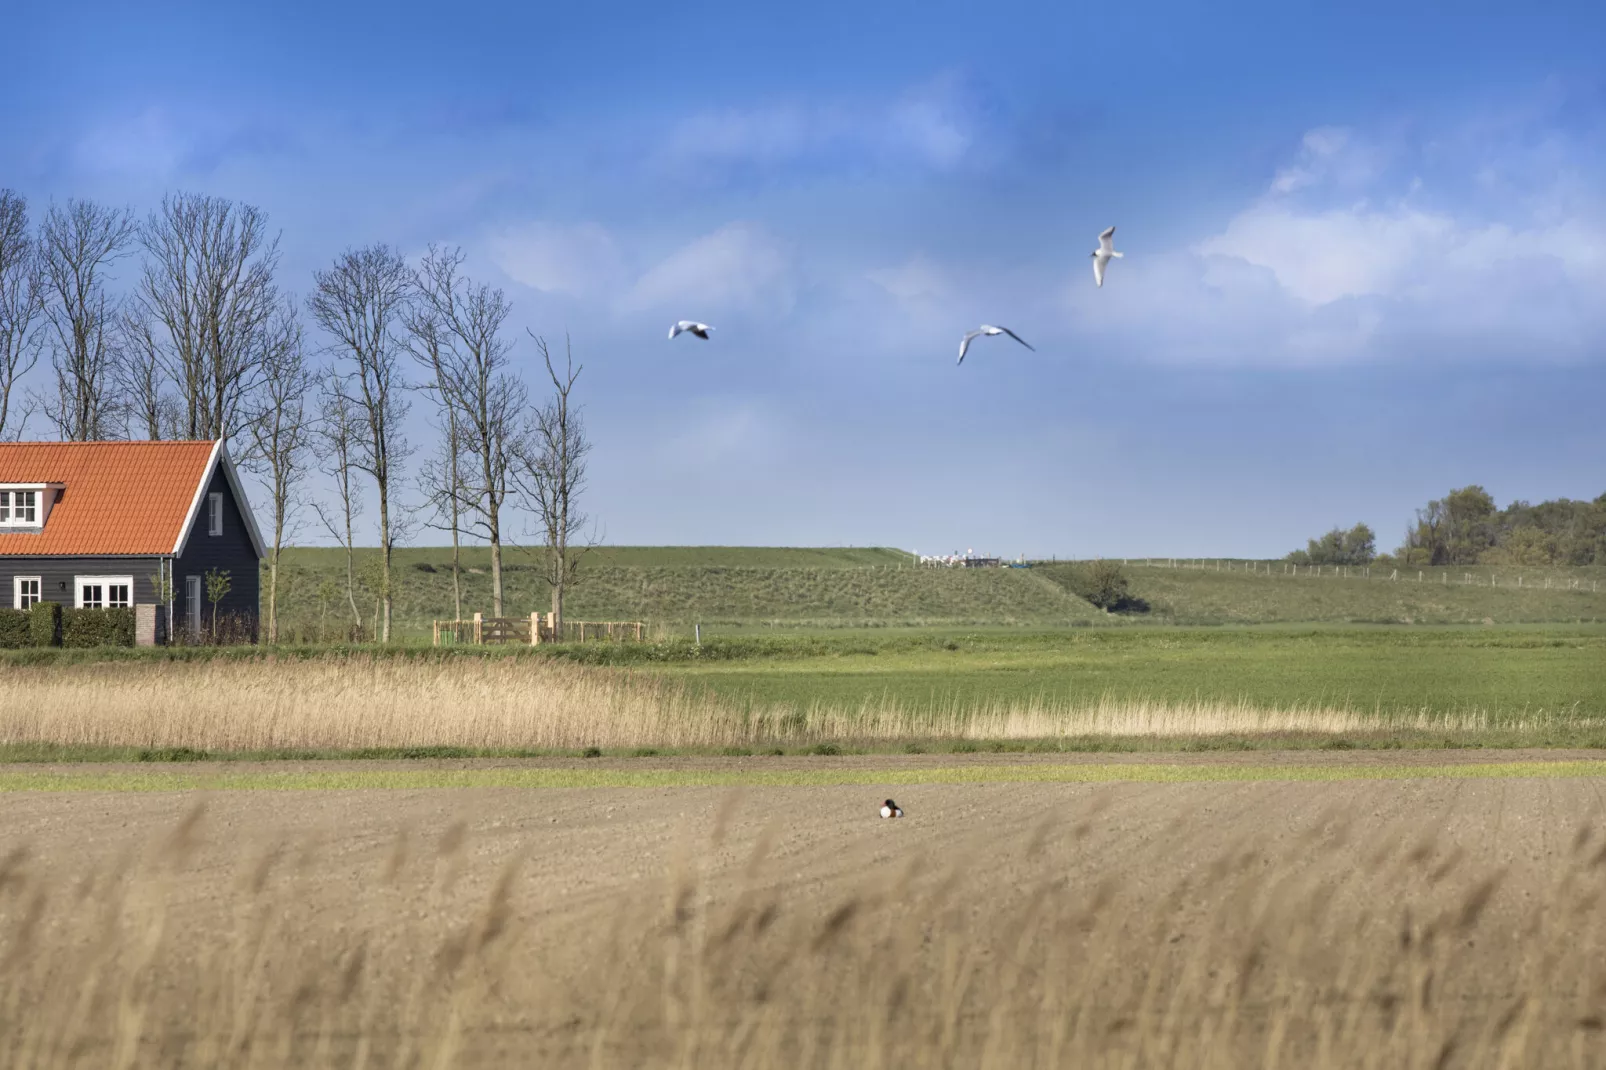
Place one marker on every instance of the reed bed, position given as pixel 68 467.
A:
pixel 351 703
pixel 1399 954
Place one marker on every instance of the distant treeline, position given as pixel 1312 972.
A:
pixel 1465 528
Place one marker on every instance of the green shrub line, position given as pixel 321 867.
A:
pixel 48 625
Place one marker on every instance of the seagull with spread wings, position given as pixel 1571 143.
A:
pixel 1103 254
pixel 691 327
pixel 988 329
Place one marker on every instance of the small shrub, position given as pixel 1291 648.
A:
pixel 97 627
pixel 424 566
pixel 736 752
pixel 172 754
pixel 44 624
pixel 591 752
pixel 825 749
pixel 964 746
pixel 644 752
pixel 14 629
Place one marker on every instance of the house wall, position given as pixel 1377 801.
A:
pixel 231 551
pixel 57 574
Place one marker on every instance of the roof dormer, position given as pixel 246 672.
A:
pixel 24 507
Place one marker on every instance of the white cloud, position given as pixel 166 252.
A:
pixel 931 125
pixel 1346 258
pixel 738 267
pixel 581 260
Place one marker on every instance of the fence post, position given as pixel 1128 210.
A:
pixel 535 628
pixel 436 625
pixel 479 628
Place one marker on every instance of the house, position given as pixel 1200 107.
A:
pixel 105 524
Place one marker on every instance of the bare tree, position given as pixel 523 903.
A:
pixel 358 302
pixel 22 297
pixel 149 409
pixel 337 430
pixel 208 285
pixel 486 403
pixel 280 435
pixel 441 479
pixel 551 473
pixel 78 244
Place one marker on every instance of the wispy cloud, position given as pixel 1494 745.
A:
pixel 935 125
pixel 738 268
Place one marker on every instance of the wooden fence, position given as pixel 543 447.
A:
pixel 535 629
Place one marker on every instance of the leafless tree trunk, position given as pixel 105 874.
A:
pixel 486 401
pixel 22 295
pixel 551 472
pixel 149 411
pixel 442 481
pixel 208 283
pixel 78 245
pixel 358 302
pixel 280 435
pixel 337 429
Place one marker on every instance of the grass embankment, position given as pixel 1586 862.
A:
pixel 1081 690
pixel 746 588
pixel 1247 593
pixel 675 587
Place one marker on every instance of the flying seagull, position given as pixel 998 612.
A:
pixel 989 329
pixel 1103 253
pixel 692 327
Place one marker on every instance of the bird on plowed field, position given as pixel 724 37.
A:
pixel 891 809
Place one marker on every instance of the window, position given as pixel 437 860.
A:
pixel 25 591
pixel 214 511
pixel 103 592
pixel 192 601
pixel 19 508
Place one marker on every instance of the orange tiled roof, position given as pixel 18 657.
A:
pixel 120 497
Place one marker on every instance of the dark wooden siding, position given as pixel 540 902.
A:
pixel 231 551
pixel 57 574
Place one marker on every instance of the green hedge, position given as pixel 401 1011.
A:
pixel 14 629
pixel 44 624
pixel 97 627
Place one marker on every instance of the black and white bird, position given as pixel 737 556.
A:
pixel 988 329
pixel 691 327
pixel 1103 254
pixel 891 809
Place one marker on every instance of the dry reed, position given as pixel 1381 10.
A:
pixel 1324 955
pixel 352 703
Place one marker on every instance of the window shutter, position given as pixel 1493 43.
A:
pixel 215 509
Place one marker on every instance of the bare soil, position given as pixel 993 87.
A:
pixel 591 861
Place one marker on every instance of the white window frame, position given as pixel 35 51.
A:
pixel 16 590
pixel 214 513
pixel 80 582
pixel 10 506
pixel 192 602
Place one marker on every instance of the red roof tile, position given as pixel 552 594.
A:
pixel 120 497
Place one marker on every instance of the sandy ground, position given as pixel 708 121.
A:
pixel 586 852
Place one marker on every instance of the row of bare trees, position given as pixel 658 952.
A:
pixel 206 345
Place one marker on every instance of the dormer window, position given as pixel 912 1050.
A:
pixel 19 508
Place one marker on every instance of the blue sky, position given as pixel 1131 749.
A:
pixel 1366 247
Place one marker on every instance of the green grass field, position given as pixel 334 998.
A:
pixel 1208 595
pixel 1504 673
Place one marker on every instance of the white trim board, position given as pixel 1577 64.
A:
pixel 241 504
